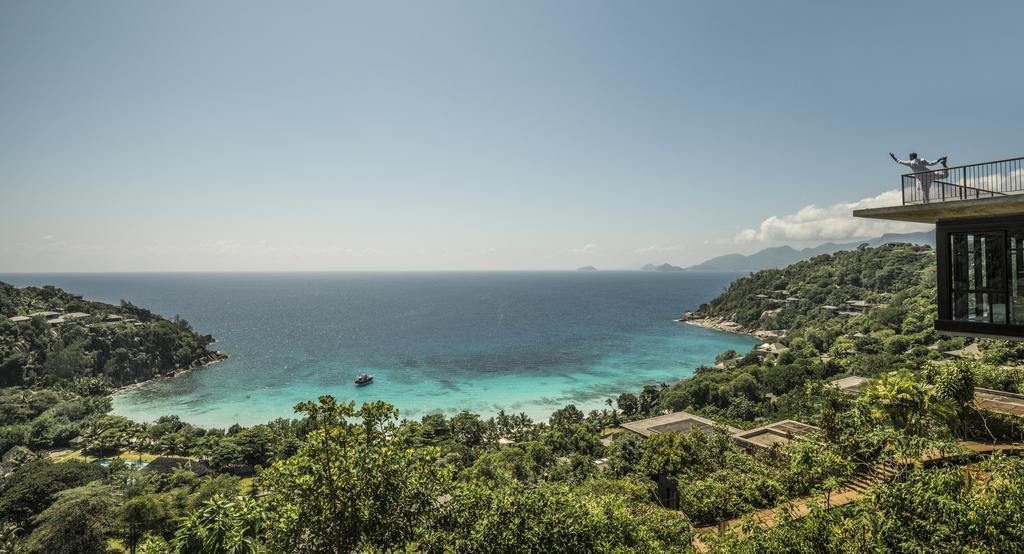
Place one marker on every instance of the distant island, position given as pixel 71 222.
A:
pixel 663 267
pixel 586 268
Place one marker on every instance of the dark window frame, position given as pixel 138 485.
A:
pixel 944 275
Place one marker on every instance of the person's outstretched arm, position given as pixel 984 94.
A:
pixel 899 161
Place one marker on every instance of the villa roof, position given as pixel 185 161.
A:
pixel 1000 402
pixel 781 432
pixel 851 384
pixel 773 348
pixel 76 315
pixel 970 352
pixel 44 314
pixel 677 421
pixel 113 317
pixel 20 318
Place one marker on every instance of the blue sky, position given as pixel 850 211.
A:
pixel 477 135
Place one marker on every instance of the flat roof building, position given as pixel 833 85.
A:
pixel 978 212
pixel 779 433
pixel 683 422
pixel 850 385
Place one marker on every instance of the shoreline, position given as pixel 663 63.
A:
pixel 716 323
pixel 727 326
pixel 208 360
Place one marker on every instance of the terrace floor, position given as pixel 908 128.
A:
pixel 1006 403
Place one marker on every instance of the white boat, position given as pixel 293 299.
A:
pixel 364 379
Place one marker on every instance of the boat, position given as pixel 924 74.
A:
pixel 364 379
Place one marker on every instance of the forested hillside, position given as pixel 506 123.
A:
pixel 347 478
pixel 862 312
pixel 66 338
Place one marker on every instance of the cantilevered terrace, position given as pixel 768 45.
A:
pixel 978 212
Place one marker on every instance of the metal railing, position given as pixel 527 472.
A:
pixel 964 182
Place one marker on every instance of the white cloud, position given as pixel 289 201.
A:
pixel 585 249
pixel 655 248
pixel 836 222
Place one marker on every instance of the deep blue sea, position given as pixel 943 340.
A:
pixel 519 341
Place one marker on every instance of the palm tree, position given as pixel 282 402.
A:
pixel 906 403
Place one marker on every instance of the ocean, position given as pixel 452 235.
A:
pixel 436 342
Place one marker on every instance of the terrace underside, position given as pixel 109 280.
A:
pixel 1012 204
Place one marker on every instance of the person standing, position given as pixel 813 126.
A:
pixel 922 170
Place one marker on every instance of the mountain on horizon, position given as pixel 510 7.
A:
pixel 663 267
pixel 781 256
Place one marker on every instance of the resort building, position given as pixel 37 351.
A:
pixel 850 385
pixel 970 352
pixel 978 212
pixel 683 422
pixel 772 348
pixel 858 306
pixel 779 433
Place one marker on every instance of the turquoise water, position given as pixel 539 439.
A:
pixel 520 341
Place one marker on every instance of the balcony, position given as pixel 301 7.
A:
pixel 990 189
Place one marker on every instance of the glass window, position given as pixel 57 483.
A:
pixel 1016 273
pixel 978 276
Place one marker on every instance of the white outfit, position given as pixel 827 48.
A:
pixel 925 175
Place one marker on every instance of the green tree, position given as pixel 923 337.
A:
pixel 141 515
pixel 77 522
pixel 899 399
pixel 551 518
pixel 222 527
pixel 353 484
pixel 33 487
pixel 955 383
pixel 628 403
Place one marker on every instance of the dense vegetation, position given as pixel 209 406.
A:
pixel 342 478
pixel 113 345
pixel 57 369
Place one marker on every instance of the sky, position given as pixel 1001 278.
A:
pixel 477 135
